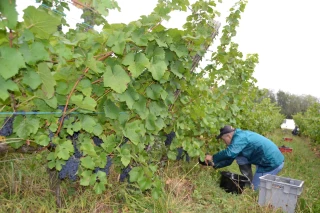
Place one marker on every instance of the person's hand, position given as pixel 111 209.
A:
pixel 209 160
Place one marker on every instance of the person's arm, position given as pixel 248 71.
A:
pixel 223 163
pixel 220 164
pixel 231 152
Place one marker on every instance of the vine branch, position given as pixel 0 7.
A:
pixel 104 56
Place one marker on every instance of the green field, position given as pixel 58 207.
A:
pixel 190 187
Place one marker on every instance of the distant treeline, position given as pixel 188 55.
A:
pixel 290 104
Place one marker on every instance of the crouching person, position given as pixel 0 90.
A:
pixel 248 148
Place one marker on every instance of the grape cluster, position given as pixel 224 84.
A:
pixel 169 138
pixel 125 173
pixel 51 145
pixel 51 135
pixel 182 153
pixel 97 141
pixel 7 128
pixel 69 169
pixel 106 169
pixel 77 153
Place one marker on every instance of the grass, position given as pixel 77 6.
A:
pixel 189 187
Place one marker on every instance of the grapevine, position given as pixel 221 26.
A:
pixel 99 99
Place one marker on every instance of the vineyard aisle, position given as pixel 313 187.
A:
pixel 190 188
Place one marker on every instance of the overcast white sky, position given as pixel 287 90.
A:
pixel 285 34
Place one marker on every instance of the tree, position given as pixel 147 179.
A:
pixel 292 104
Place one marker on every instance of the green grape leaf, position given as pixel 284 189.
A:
pixel 64 150
pixel 129 96
pixel 140 106
pixel 63 88
pixel 140 37
pixel 88 149
pixel 155 91
pixel 123 118
pixel 51 156
pixel 87 162
pixel 137 63
pixel 42 140
pixel 74 40
pixel 27 35
pixel 103 6
pixel 64 52
pixel 59 164
pixel 10 62
pixel 180 50
pixel 145 183
pixel 32 79
pixel 63 154
pixel 5 86
pixel 94 64
pixel 52 102
pixel 40 23
pixel 88 123
pixel 111 110
pixel 53 127
pixel 47 79
pixel 116 78
pixel 85 87
pixel 158 69
pixel 8 9
pixel 172 155
pixel 150 122
pixel 158 54
pixel 99 187
pixel 24 127
pixel 98 129
pixel 159 124
pixel 161 43
pixel 125 156
pixel 158 109
pixel 109 143
pixel 134 131
pixel 117 42
pixel 36 52
pixel 102 176
pixel 177 69
pixel 136 173
pixel 51 164
pixel 76 126
pixel 84 103
pixel 89 104
pixel 85 178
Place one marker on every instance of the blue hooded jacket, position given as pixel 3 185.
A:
pixel 257 149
